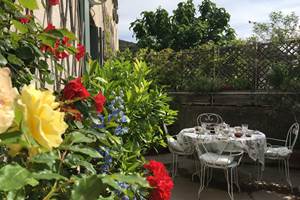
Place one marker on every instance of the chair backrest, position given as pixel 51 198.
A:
pixel 292 136
pixel 209 118
pixel 203 146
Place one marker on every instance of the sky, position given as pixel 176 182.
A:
pixel 241 11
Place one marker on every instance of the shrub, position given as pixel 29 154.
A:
pixel 146 103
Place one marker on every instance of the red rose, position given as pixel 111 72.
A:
pixel 50 27
pixel 80 52
pixel 24 20
pixel 75 89
pixel 99 101
pixel 53 2
pixel 160 181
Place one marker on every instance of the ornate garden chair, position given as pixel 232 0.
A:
pixel 227 162
pixel 209 119
pixel 178 148
pixel 282 153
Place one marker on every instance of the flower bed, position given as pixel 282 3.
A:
pixel 85 141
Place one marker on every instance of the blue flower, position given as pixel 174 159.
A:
pixel 116 112
pixel 107 160
pixel 118 130
pixel 123 185
pixel 125 198
pixel 123 119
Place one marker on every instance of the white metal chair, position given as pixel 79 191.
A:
pixel 282 153
pixel 209 119
pixel 182 148
pixel 227 162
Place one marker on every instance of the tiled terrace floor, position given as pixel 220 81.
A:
pixel 186 189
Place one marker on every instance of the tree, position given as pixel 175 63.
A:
pixel 280 28
pixel 187 27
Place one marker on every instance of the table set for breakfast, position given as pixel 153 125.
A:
pixel 226 138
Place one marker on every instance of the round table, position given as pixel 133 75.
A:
pixel 254 145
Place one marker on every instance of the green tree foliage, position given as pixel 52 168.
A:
pixel 187 27
pixel 279 28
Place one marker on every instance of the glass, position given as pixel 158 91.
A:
pixel 217 129
pixel 244 128
pixel 203 125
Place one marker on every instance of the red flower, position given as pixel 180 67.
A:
pixel 65 41
pixel 80 52
pixel 50 27
pixel 53 2
pixel 60 54
pixel 99 101
pixel 75 89
pixel 24 20
pixel 160 181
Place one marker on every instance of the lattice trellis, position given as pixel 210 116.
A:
pixel 250 63
pixel 66 15
pixel 76 16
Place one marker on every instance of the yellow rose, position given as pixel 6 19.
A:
pixel 41 120
pixel 7 99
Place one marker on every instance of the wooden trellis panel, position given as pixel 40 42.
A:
pixel 250 63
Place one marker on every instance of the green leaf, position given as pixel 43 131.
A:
pixel 47 39
pixel 45 158
pixel 14 177
pixel 10 137
pixel 30 4
pixel 3 60
pixel 13 59
pixel 131 179
pixel 78 137
pixel 88 166
pixel 20 27
pixel 84 150
pixel 48 175
pixel 16 195
pixel 88 188
pixel 59 67
pixel 75 160
pixel 68 34
pixel 25 53
pixel 102 80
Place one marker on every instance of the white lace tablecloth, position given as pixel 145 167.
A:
pixel 255 145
